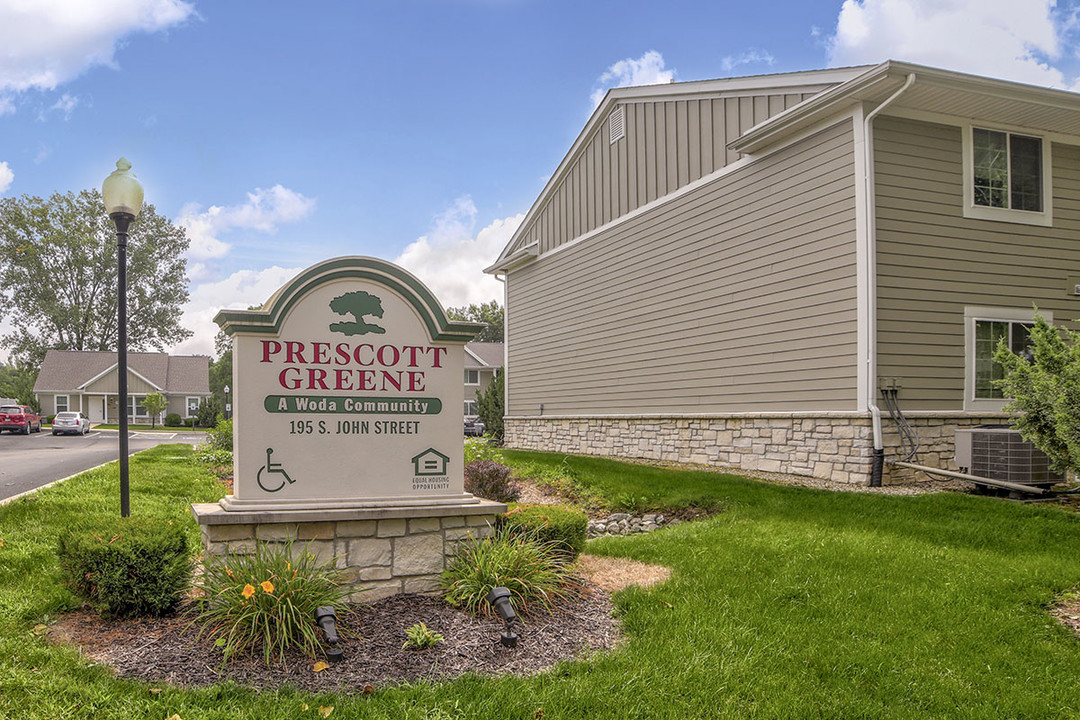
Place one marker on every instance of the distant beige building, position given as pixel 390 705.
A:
pixel 87 382
pixel 483 361
pixel 741 266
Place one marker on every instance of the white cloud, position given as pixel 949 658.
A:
pixel 49 42
pixel 240 290
pixel 7 105
pixel 646 70
pixel 450 259
pixel 264 211
pixel 6 176
pixel 999 38
pixel 747 57
pixel 65 105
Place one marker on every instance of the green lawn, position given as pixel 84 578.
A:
pixel 791 603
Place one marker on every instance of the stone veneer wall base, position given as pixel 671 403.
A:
pixel 383 551
pixel 836 446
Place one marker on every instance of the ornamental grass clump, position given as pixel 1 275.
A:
pixel 561 526
pixel 533 571
pixel 267 600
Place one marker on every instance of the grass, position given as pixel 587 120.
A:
pixel 792 603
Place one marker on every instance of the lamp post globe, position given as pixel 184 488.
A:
pixel 123 197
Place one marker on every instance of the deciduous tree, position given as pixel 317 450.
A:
pixel 58 276
pixel 489 312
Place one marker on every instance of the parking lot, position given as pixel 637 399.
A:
pixel 30 461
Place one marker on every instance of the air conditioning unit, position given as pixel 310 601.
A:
pixel 999 452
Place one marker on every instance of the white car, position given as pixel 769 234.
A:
pixel 70 423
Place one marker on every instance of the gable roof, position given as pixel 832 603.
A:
pixel 71 370
pixel 934 93
pixel 484 355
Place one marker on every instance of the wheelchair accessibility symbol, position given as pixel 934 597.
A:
pixel 272 468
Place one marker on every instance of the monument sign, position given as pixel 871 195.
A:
pixel 348 392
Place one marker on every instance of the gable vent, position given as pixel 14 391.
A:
pixel 617 124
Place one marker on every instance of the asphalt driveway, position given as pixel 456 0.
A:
pixel 30 461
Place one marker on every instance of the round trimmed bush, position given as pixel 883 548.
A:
pixel 562 526
pixel 174 420
pixel 127 567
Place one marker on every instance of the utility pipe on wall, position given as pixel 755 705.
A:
pixel 871 278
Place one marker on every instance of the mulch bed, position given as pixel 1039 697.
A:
pixel 166 650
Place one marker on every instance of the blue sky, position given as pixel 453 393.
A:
pixel 283 133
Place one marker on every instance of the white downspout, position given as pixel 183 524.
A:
pixel 871 278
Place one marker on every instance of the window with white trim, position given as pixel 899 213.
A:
pixel 472 377
pixel 192 404
pixel 136 407
pixel 1006 176
pixel 984 330
pixel 470 407
pixel 63 402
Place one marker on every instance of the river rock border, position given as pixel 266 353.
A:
pixel 627 524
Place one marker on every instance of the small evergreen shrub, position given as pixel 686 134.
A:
pixel 208 412
pixel 533 571
pixel 267 601
pixel 490 480
pixel 174 420
pixel 127 567
pixel 563 527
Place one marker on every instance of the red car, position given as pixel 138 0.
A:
pixel 20 419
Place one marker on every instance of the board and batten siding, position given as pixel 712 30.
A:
pixel 932 261
pixel 737 296
pixel 668 144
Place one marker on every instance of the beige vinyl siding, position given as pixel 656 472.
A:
pixel 932 261
pixel 738 296
pixel 668 144
pixel 108 384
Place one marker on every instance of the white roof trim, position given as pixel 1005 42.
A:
pixel 476 357
pixel 113 367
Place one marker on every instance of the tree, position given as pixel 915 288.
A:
pixel 155 404
pixel 58 276
pixel 17 381
pixel 489 406
pixel 489 312
pixel 1045 386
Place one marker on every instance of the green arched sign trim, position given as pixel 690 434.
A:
pixel 438 325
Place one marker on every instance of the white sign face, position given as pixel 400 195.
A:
pixel 349 402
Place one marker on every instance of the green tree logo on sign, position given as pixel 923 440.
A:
pixel 358 304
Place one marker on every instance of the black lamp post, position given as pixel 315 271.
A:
pixel 227 406
pixel 123 196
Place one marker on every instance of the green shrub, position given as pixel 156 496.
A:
pixel 490 480
pixel 564 527
pixel 127 567
pixel 533 571
pixel 220 437
pixel 267 600
pixel 208 412
pixel 489 406
pixel 174 420
pixel 213 458
pixel 482 449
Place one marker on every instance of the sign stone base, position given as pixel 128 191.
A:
pixel 384 550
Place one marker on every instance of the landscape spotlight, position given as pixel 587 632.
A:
pixel 327 620
pixel 123 196
pixel 499 598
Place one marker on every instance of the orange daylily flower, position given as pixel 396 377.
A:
pixel 267 586
pixel 249 590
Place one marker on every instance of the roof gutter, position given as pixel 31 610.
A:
pixel 870 271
